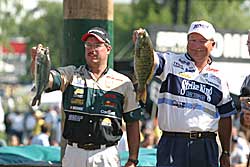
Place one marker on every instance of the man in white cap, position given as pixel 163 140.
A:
pixel 194 104
pixel 95 100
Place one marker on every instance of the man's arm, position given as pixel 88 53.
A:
pixel 51 79
pixel 225 131
pixel 133 137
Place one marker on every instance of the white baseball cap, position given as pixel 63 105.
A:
pixel 203 28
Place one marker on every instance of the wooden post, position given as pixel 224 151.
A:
pixel 79 17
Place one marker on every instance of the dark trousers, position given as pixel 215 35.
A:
pixel 184 152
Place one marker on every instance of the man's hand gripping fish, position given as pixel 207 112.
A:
pixel 41 73
pixel 143 63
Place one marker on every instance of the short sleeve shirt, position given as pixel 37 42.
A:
pixel 94 108
pixel 190 100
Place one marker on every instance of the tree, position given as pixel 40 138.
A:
pixel 46 28
pixel 9 20
pixel 43 24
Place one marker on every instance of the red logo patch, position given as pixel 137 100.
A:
pixel 109 103
pixel 111 96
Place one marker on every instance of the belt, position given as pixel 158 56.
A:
pixel 191 135
pixel 90 146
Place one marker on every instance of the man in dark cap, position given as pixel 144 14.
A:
pixel 95 100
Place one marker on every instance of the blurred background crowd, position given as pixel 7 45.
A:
pixel 42 126
pixel 26 125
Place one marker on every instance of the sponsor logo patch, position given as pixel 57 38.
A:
pixel 78 81
pixel 178 65
pixel 77 101
pixel 76 108
pixel 79 91
pixel 109 103
pixel 76 118
pixel 184 75
pixel 184 61
pixel 111 96
pixel 106 122
pixel 113 78
pixel 202 88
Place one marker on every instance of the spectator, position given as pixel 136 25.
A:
pixel 43 137
pixel 39 115
pixel 149 139
pixel 51 118
pixel 16 120
pixel 14 140
pixel 29 125
pixel 239 149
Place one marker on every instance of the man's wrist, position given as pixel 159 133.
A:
pixel 135 161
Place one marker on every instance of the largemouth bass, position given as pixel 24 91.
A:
pixel 42 70
pixel 143 64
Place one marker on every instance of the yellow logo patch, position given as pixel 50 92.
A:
pixel 79 91
pixel 184 75
pixel 106 122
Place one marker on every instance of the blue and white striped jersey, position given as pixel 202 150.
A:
pixel 190 100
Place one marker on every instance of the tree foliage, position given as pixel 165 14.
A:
pixel 9 25
pixel 47 28
pixel 226 15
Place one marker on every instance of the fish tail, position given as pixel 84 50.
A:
pixel 142 95
pixel 36 99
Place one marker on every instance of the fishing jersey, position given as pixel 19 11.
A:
pixel 94 108
pixel 190 100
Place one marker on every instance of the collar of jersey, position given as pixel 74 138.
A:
pixel 104 72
